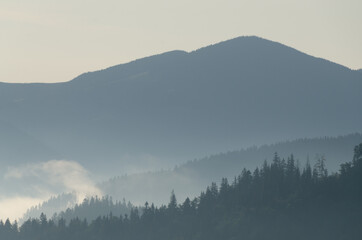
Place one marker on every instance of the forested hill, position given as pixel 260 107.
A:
pixel 276 201
pixel 187 180
pixel 169 108
pixel 190 178
pixel 65 207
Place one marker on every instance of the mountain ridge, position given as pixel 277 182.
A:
pixel 197 174
pixel 242 92
pixel 239 40
pixel 189 178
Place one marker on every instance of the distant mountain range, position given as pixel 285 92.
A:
pixel 176 106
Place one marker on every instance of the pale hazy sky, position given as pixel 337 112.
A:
pixel 52 40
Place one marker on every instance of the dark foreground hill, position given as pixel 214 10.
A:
pixel 276 201
pixel 176 106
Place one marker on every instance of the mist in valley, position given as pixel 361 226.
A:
pixel 203 120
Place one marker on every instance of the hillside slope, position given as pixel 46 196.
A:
pixel 188 179
pixel 176 106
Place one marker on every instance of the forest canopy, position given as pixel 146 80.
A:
pixel 279 200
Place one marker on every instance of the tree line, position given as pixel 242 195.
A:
pixel 279 200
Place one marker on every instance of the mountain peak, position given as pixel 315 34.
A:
pixel 239 92
pixel 244 42
pixel 242 51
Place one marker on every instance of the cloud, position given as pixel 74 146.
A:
pixel 28 185
pixel 68 176
pixel 13 208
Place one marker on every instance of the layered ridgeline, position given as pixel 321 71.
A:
pixel 168 108
pixel 188 180
pixel 276 201
pixel 65 207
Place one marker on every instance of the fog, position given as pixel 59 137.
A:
pixel 27 185
pixel 14 207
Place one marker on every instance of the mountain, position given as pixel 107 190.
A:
pixel 169 108
pixel 17 145
pixel 187 180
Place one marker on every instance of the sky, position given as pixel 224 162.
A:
pixel 55 41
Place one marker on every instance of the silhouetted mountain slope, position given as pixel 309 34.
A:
pixel 192 177
pixel 177 105
pixel 55 204
pixel 17 145
pixel 94 207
